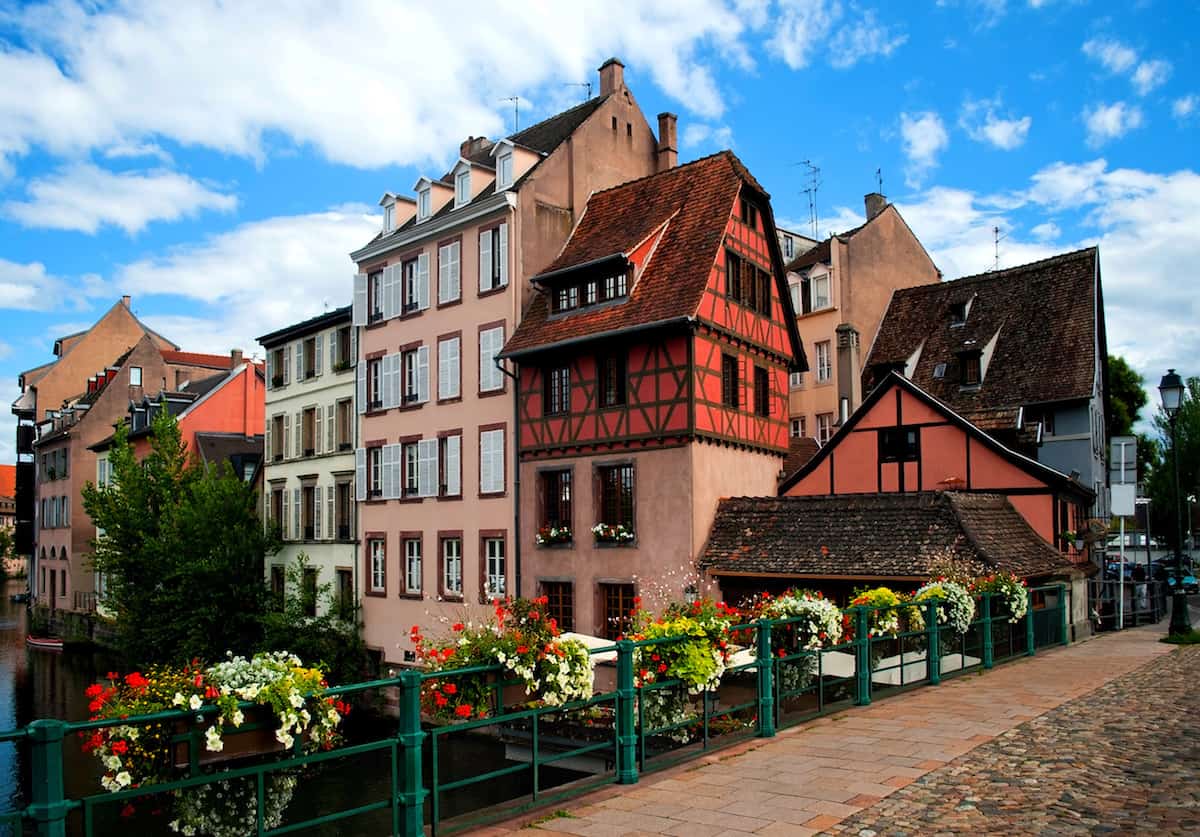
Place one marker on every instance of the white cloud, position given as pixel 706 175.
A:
pixel 256 277
pixel 805 29
pixel 700 134
pixel 9 392
pixel 1046 232
pixel 1150 75
pixel 1115 56
pixel 1185 106
pixel 924 136
pixel 5 350
pixel 126 150
pixel 84 197
pixel 28 287
pixel 1108 122
pixel 981 119
pixel 129 74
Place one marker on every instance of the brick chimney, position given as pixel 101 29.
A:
pixel 125 300
pixel 612 76
pixel 473 145
pixel 875 203
pixel 235 358
pixel 668 146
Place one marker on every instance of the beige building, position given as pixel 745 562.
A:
pixel 438 293
pixel 840 289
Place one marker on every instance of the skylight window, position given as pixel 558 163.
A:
pixel 939 370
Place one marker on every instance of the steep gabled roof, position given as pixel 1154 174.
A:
pixel 882 536
pixel 686 210
pixel 1043 316
pixel 197 359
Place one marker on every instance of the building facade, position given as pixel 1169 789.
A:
pixel 311 433
pixel 652 369
pixel 438 293
pixel 840 288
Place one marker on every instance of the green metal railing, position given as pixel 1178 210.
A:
pixel 778 687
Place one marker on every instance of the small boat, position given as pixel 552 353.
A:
pixel 19 598
pixel 46 643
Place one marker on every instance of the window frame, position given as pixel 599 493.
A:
pixel 827 431
pixel 622 501
pixel 487 538
pixel 500 380
pixel 376 575
pixel 560 601
pixel 824 369
pixel 612 379
pixel 135 376
pixel 408 540
pixel 502 429
pixel 462 188
pixel 762 391
pixel 729 381
pixel 894 444
pixel 446 538
pixel 557 510
pixel 556 391
pixel 619 593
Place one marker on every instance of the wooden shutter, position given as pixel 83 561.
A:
pixel 316 512
pixel 287 364
pixel 360 474
pixel 448 368
pixel 423 281
pixel 298 351
pixel 360 390
pixel 452 466
pixel 503 255
pixel 318 429
pixel 266 444
pixel 359 313
pixel 330 525
pixel 297 518
pixel 427 468
pixel 333 346
pixel 354 346
pixel 298 434
pixel 391 370
pixel 390 287
pixel 392 486
pixel 423 374
pixel 318 353
pixel 284 524
pixel 485 261
pixel 270 368
pixel 287 436
pixel 330 428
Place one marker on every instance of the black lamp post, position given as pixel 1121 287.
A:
pixel 1170 389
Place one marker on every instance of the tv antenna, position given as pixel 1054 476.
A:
pixel 996 239
pixel 516 100
pixel 814 183
pixel 586 84
pixel 879 180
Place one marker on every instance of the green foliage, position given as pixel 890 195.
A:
pixel 182 551
pixel 1126 396
pixel 1160 479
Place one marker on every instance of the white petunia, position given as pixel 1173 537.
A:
pixel 212 740
pixel 195 702
pixel 123 779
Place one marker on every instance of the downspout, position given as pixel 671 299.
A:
pixel 516 379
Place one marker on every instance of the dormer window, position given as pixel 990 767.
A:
pixel 958 314
pixel 589 292
pixel 462 188
pixel 504 171
pixel 971 369
pixel 424 203
pixel 389 217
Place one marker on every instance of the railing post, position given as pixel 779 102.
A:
pixel 1066 614
pixel 989 641
pixel 412 791
pixel 48 807
pixel 766 681
pixel 1029 649
pixel 933 655
pixel 862 658
pixel 627 733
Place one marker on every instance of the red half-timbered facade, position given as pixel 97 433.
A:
pixel 652 370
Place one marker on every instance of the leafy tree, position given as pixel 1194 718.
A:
pixel 182 552
pixel 1160 477
pixel 1126 396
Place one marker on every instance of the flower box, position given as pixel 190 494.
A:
pixel 255 737
pixel 554 536
pixel 620 535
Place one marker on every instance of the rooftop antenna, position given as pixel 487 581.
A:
pixel 814 183
pixel 996 239
pixel 879 180
pixel 586 84
pixel 516 100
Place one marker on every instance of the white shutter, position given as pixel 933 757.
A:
pixel 354 346
pixel 503 255
pixel 287 436
pixel 385 291
pixel 391 373
pixel 448 368
pixel 297 518
pixel 333 345
pixel 330 526
pixel 298 350
pixel 319 354
pixel 284 530
pixel 394 301
pixel 287 364
pixel 491 458
pixel 316 512
pixel 266 445
pixel 427 467
pixel 490 343
pixel 423 374
pixel 360 474
pixel 423 281
pixel 330 428
pixel 359 314
pixel 452 467
pixel 298 435
pixel 270 368
pixel 361 387
pixel 391 472
pixel 485 261
pixel 318 428
pixel 448 273
pixel 485 461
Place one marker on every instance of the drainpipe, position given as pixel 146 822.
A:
pixel 516 447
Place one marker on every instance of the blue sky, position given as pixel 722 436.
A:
pixel 218 162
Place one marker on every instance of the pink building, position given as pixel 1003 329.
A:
pixel 438 293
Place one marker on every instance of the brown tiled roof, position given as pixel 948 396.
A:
pixel 993 418
pixel 800 450
pixel 1044 313
pixel 875 536
pixel 197 359
pixel 689 204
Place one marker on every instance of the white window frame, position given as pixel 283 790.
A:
pixel 413 581
pixel 491 461
pixel 135 376
pixel 824 350
pixel 504 171
pixel 491 341
pixel 452 559
pixel 819 303
pixel 389 217
pixel 824 427
pixel 796 380
pixel 450 272
pixel 378 553
pixel 495 568
pixel 424 203
pixel 462 188
pixel 375 472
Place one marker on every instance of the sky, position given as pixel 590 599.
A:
pixel 218 161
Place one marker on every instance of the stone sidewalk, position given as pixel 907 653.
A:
pixel 810 778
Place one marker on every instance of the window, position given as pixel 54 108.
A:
pixel 939 370
pixel 794 292
pixel 452 580
pixel 799 427
pixel 796 380
pixel 375 472
pixel 616 609
pixel 420 468
pixel 556 395
pixel 733 275
pixel 389 217
pixel 789 246
pixel 451 465
pixel 309 354
pixel 309 591
pixel 560 603
pixel 611 371
pixel 958 313
pixel 504 171
pixel 412 470
pixel 307 507
pixel 824 362
pixel 556 496
pixel 449 368
pixel 344 512
pixel 762 391
pixel 729 381
pixel 277 585
pixel 898 444
pixel 462 188
pixel 375 293
pixel 819 288
pixel 493 258
pixel 415 363
pixel 378 565
pixel 309 430
pixel 424 203
pixel 412 290
pixel 494 567
pixel 412 565
pixel 590 292
pixel 615 286
pixel 764 291
pixel 278 508
pixel 449 272
pixel 491 461
pixel 749 213
pixel 345 592
pixel 616 496
pixel 135 376
pixel 277 363
pixel 345 424
pixel 566 298
pixel 824 427
pixel 970 363
pixel 491 341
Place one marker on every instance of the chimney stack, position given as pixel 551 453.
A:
pixel 235 358
pixel 125 300
pixel 612 76
pixel 668 146
pixel 473 145
pixel 875 203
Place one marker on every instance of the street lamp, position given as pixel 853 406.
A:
pixel 1170 389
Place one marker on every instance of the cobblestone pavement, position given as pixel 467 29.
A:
pixel 1122 760
pixel 854 764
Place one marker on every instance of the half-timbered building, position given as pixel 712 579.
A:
pixel 653 367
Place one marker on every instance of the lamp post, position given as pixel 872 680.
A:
pixel 1170 389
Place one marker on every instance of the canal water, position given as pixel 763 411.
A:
pixel 41 684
